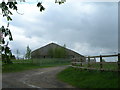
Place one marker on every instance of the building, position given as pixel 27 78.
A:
pixel 43 52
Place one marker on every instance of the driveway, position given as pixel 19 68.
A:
pixel 36 78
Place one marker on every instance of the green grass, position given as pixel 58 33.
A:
pixel 107 66
pixel 22 61
pixel 27 66
pixel 20 65
pixel 86 79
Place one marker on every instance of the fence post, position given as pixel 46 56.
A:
pixel 88 61
pixel 95 59
pixel 118 61
pixel 118 70
pixel 81 62
pixel 75 61
pixel 101 66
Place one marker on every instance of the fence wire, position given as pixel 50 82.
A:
pixel 44 61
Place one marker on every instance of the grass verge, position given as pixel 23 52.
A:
pixel 21 67
pixel 86 79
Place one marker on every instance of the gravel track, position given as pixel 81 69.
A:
pixel 36 78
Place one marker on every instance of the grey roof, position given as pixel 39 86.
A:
pixel 44 50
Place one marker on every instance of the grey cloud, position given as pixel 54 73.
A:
pixel 63 25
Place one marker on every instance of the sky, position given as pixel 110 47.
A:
pixel 89 28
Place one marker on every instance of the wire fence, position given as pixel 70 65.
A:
pixel 50 61
pixel 43 61
pixel 22 61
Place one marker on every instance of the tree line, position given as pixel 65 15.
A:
pixel 27 53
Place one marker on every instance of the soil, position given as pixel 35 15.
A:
pixel 35 78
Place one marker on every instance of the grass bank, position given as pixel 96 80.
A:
pixel 86 79
pixel 26 66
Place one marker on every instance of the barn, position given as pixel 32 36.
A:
pixel 43 52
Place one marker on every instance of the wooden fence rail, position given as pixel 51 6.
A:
pixel 89 65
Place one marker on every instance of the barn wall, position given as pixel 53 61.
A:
pixel 43 52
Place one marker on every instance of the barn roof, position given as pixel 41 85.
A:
pixel 44 50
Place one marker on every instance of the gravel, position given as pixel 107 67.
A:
pixel 36 78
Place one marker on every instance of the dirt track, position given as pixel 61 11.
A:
pixel 36 78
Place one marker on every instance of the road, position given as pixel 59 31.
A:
pixel 36 78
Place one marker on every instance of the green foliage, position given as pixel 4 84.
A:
pixel 60 1
pixel 5 7
pixel 51 52
pixel 28 53
pixel 58 52
pixel 18 53
pixel 89 79
pixel 6 52
pixel 5 32
pixel 6 59
pixel 40 6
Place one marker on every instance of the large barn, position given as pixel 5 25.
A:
pixel 43 52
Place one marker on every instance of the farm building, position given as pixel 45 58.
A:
pixel 53 50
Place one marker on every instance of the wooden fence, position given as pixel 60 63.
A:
pixel 103 66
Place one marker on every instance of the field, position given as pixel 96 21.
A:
pixel 20 65
pixel 89 79
pixel 96 65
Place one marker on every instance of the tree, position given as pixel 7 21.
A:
pixel 51 52
pixel 6 54
pixel 5 31
pixel 28 53
pixel 6 8
pixel 18 53
pixel 58 52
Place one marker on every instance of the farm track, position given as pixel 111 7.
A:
pixel 36 78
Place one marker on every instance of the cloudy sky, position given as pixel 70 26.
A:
pixel 89 28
